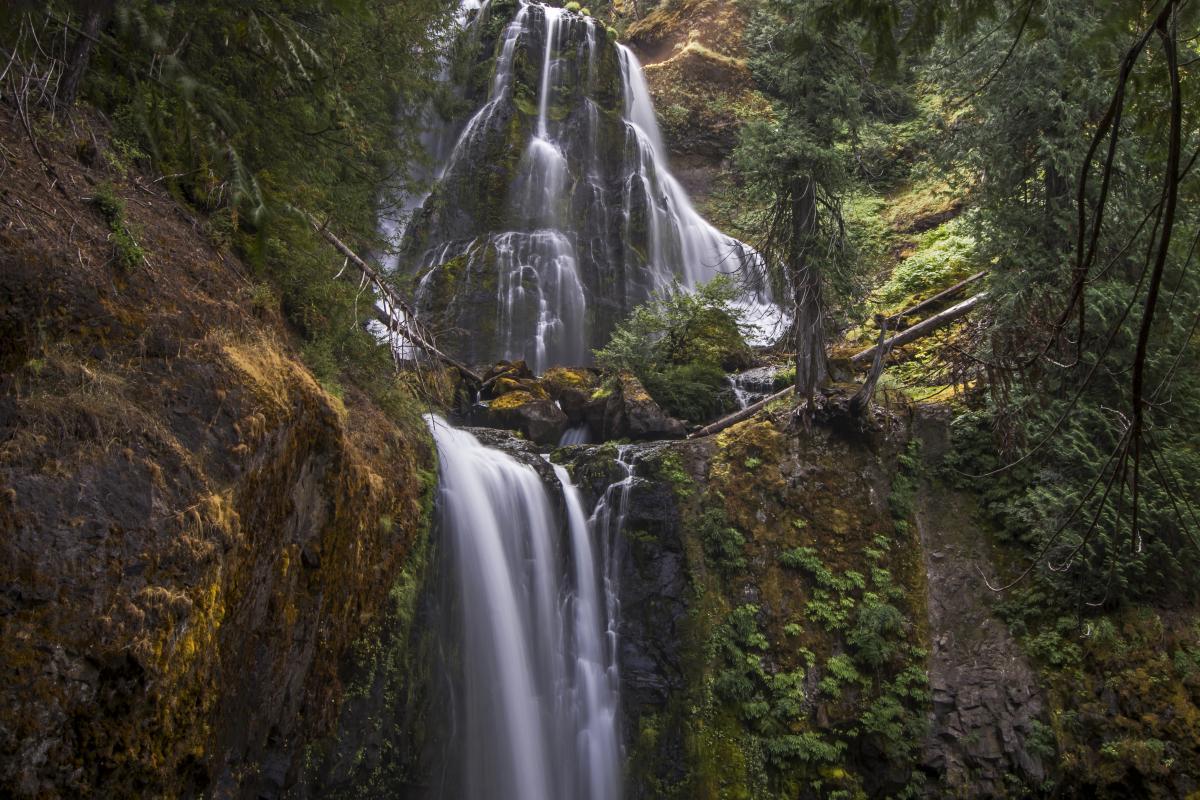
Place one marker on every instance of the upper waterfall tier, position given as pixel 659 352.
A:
pixel 554 212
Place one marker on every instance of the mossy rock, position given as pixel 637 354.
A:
pixel 539 419
pixel 573 388
pixel 506 386
pixel 558 379
pixel 511 400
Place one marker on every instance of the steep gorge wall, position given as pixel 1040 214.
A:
pixel 192 530
pixel 806 615
pixel 772 634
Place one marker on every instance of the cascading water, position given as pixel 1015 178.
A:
pixel 535 626
pixel 555 212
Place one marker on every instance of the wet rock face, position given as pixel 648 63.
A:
pixel 986 699
pixel 653 584
pixel 653 605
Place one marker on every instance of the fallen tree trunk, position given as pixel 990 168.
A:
pixel 894 321
pixel 737 416
pixel 396 316
pixel 923 328
pixel 915 332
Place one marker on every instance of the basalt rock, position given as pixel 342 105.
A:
pixel 572 388
pixel 192 530
pixel 539 419
pixel 624 409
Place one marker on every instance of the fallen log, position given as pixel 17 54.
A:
pixel 860 403
pixel 923 328
pixel 915 332
pixel 895 320
pixel 737 416
pixel 396 316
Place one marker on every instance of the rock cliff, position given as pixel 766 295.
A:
pixel 192 529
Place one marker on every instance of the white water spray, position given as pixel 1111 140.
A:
pixel 536 629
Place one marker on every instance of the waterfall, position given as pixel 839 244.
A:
pixel 555 211
pixel 535 627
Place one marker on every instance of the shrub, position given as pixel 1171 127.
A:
pixel 678 327
pixel 679 344
pixel 693 392
pixel 126 250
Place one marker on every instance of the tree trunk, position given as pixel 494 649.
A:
pixel 861 402
pixel 923 328
pixel 809 322
pixel 398 318
pixel 95 17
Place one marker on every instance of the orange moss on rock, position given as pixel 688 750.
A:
pixel 189 525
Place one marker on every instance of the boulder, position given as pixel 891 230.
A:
pixel 540 420
pixel 572 388
pixel 624 409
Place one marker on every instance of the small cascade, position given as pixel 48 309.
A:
pixel 752 385
pixel 555 211
pixel 533 626
pixel 579 434
pixel 596 682
pixel 608 523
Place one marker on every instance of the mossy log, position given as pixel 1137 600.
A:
pixel 923 328
pixel 896 321
pixel 737 416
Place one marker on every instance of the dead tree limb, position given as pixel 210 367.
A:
pixel 923 328
pixel 397 316
pixel 915 332
pixel 895 321
pixel 862 398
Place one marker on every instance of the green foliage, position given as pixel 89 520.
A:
pixel 679 344
pixel 679 327
pixel 126 250
pixel 943 256
pixel 724 545
pixel 694 391
pixel 875 635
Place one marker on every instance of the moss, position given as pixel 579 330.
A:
pixel 512 400
pixel 557 379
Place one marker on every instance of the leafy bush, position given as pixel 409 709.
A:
pixel 680 344
pixel 690 391
pixel 679 327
